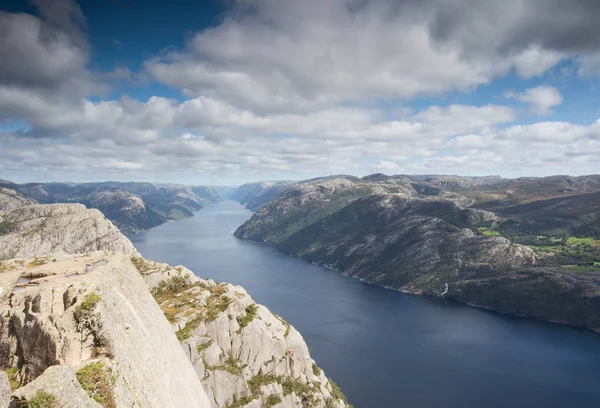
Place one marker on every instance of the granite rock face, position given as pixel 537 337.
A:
pixel 10 200
pixel 109 328
pixel 242 352
pixel 60 381
pixel 52 228
pixel 93 312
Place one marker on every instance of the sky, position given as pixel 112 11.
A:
pixel 231 91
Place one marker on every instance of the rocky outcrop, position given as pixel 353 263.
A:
pixel 59 384
pixel 244 354
pixel 83 330
pixel 10 200
pixel 93 313
pixel 68 228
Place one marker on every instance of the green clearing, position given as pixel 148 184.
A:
pixel 583 241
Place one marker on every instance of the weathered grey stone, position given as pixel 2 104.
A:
pixel 230 349
pixel 10 200
pixel 4 390
pixel 60 381
pixel 59 228
pixel 127 330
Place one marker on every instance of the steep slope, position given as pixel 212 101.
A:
pixel 245 355
pixel 420 241
pixel 255 195
pixel 303 203
pixel 85 331
pixel 92 313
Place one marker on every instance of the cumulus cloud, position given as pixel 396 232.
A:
pixel 292 56
pixel 540 99
pixel 294 89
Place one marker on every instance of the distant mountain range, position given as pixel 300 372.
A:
pixel 132 207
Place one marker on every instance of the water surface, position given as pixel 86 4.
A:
pixel 384 348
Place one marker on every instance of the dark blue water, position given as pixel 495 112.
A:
pixel 388 349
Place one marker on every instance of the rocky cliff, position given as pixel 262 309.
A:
pixel 67 228
pixel 417 238
pixel 83 330
pixel 245 355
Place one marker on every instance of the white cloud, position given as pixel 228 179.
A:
pixel 293 89
pixel 540 99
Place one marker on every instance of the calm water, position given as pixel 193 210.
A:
pixel 387 349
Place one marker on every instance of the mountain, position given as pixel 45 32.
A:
pixel 85 321
pixel 434 235
pixel 255 195
pixel 132 207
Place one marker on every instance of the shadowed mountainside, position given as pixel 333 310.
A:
pixel 434 235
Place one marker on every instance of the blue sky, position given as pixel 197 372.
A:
pixel 224 92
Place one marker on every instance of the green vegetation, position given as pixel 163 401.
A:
pixel 316 370
pixel 286 324
pixel 42 399
pixel 144 267
pixel 238 403
pixel 175 297
pixel 336 392
pixel 585 241
pixel 272 400
pixel 14 377
pixel 230 365
pixel 85 309
pixel 245 320
pixel 37 262
pixel 167 289
pixel 96 379
pixel 201 347
pixel 567 251
pixel 488 232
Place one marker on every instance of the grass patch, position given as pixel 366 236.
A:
pixel 14 377
pixel 167 289
pixel 583 241
pixel 85 309
pixel 336 392
pixel 230 365
pixel 144 267
pixel 487 232
pixel 37 262
pixel 245 320
pixel 316 370
pixel 259 380
pixel 286 324
pixel 96 380
pixel 272 400
pixel 42 399
pixel 238 403
pixel 200 348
